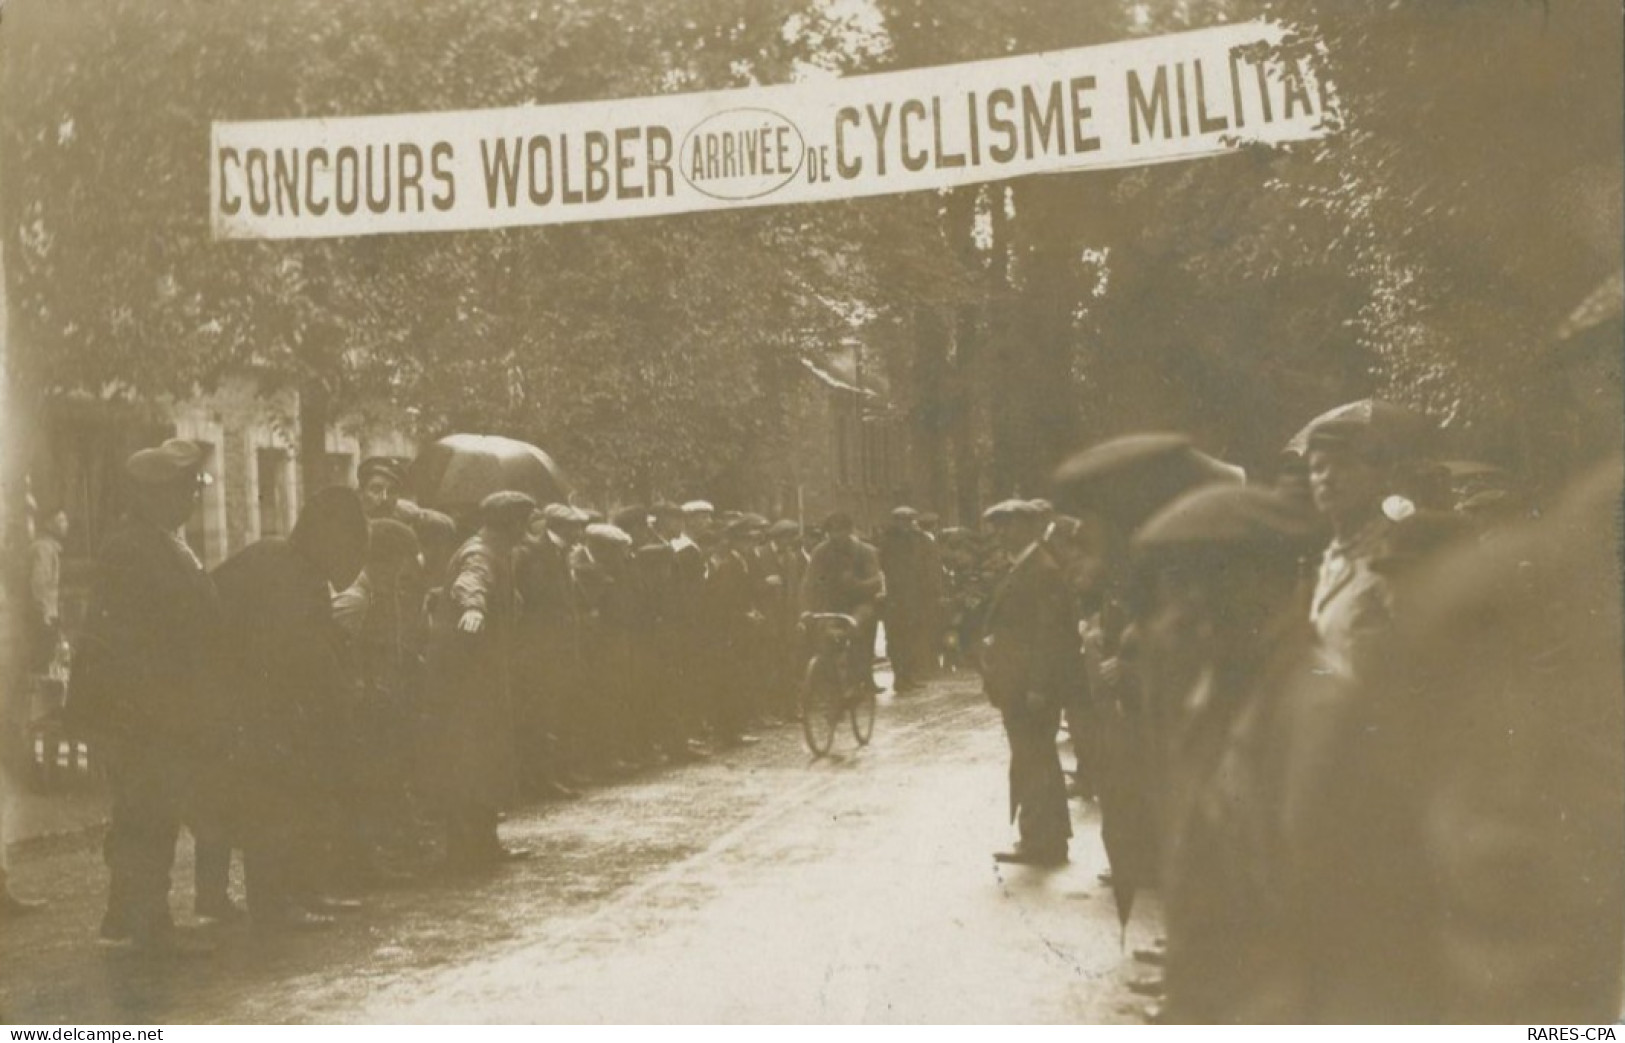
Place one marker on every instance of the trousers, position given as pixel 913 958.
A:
pixel 1037 785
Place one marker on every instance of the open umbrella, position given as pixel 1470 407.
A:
pixel 457 472
pixel 1394 424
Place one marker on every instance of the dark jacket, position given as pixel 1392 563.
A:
pixel 1480 877
pixel 282 657
pixel 1030 635
pixel 469 714
pixel 908 557
pixel 142 665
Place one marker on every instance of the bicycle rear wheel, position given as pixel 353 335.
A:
pixel 863 715
pixel 820 706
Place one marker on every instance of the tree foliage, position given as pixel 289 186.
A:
pixel 1424 251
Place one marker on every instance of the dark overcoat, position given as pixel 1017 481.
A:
pixel 142 673
pixel 289 693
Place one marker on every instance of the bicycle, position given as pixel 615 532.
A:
pixel 828 690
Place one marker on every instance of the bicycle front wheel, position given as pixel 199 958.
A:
pixel 863 715
pixel 820 706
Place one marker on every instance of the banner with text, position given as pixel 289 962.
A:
pixel 1152 100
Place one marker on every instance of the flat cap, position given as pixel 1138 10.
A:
pixel 634 517
pixel 1231 517
pixel 784 527
pixel 1126 480
pixel 698 507
pixel 904 513
pixel 608 535
pixel 382 466
pixel 559 512
pixel 506 506
pixel 174 460
pixel 1011 510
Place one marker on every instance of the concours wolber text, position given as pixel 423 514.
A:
pixel 1151 100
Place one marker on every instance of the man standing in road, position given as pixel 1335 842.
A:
pixel 141 690
pixel 547 674
pixel 688 529
pixel 729 615
pixel 1029 644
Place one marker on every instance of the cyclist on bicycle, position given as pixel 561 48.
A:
pixel 843 575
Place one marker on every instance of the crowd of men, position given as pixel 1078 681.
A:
pixel 354 705
pixel 1359 724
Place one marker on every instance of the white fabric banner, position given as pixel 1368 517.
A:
pixel 1152 100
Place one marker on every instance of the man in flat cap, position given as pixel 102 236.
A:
pixel 652 611
pixel 605 603
pixel 381 479
pixel 1113 487
pixel 693 548
pixel 730 617
pixel 1029 642
pixel 768 691
pixel 1351 472
pixel 1246 715
pixel 909 560
pixel 381 614
pixel 142 688
pixel 470 717
pixel 1481 873
pixel 681 636
pixel 790 564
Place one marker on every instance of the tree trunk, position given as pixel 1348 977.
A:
pixel 1035 413
pixel 1006 422
pixel 928 413
pixel 20 403
pixel 964 380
